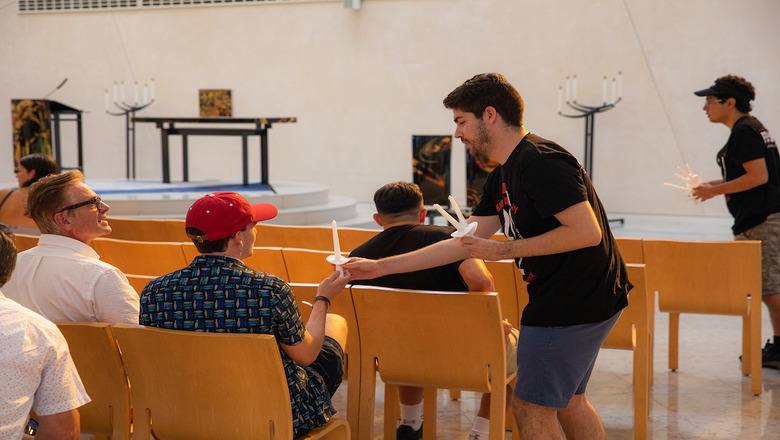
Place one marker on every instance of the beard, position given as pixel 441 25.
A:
pixel 480 147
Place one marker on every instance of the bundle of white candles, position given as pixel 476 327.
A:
pixel 463 227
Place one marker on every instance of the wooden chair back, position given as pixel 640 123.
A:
pixel 195 385
pixel 631 250
pixel 408 345
pixel 139 257
pixel 307 265
pixel 99 363
pixel 263 259
pixel 340 305
pixel 632 332
pixel 24 242
pixel 350 238
pixel 503 272
pixel 139 281
pixel 138 229
pixel 304 237
pixel 717 278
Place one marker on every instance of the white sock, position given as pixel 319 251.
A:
pixel 481 428
pixel 411 415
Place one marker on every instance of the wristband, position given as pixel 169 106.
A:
pixel 317 298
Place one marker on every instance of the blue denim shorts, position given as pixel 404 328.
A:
pixel 555 363
pixel 329 364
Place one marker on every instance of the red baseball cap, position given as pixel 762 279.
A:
pixel 223 213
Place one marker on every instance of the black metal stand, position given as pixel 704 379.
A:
pixel 589 113
pixel 128 111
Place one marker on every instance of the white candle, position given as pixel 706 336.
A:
pixel 336 247
pixel 604 90
pixel 614 92
pixel 568 89
pixel 446 215
pixel 105 95
pixel 620 85
pixel 116 90
pixel 135 93
pixel 461 219
pixel 122 91
pixel 152 92
pixel 574 89
pixel 560 99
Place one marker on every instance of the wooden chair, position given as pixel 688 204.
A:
pixel 139 281
pixel 304 237
pixel 632 332
pixel 194 385
pixel 460 346
pixel 340 305
pixel 134 229
pixel 263 259
pixel 99 363
pixel 139 257
pixel 632 253
pixel 350 238
pixel 307 265
pixel 716 278
pixel 24 242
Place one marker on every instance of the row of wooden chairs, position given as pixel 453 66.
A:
pixel 185 385
pixel 414 348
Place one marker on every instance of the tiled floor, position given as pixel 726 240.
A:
pixel 706 398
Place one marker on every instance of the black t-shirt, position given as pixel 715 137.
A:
pixel 749 140
pixel 539 180
pixel 407 238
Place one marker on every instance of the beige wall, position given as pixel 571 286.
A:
pixel 362 82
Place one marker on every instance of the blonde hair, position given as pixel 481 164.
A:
pixel 47 197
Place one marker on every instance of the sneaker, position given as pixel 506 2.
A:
pixel 767 347
pixel 473 436
pixel 769 357
pixel 405 432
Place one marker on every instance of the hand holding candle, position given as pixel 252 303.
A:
pixel 690 179
pixel 336 259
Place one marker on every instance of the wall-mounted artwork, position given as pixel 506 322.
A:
pixel 31 120
pixel 476 173
pixel 215 103
pixel 431 164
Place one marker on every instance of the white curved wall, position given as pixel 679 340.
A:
pixel 361 82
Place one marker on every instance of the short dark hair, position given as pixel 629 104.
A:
pixel 7 254
pixel 398 198
pixel 210 247
pixel 42 164
pixel 745 92
pixel 488 90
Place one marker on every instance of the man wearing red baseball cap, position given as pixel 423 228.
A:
pixel 217 292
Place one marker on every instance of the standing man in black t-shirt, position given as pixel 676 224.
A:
pixel 750 166
pixel 559 235
pixel 401 214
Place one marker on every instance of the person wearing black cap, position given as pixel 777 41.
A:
pixel 750 167
pixel 219 293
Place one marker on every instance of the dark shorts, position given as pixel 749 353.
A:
pixel 555 363
pixel 329 365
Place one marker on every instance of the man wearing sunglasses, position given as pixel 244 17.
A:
pixel 62 278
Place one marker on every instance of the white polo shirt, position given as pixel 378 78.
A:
pixel 36 370
pixel 63 279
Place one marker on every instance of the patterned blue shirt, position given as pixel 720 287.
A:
pixel 223 295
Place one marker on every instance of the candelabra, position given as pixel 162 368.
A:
pixel 128 109
pixel 589 112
